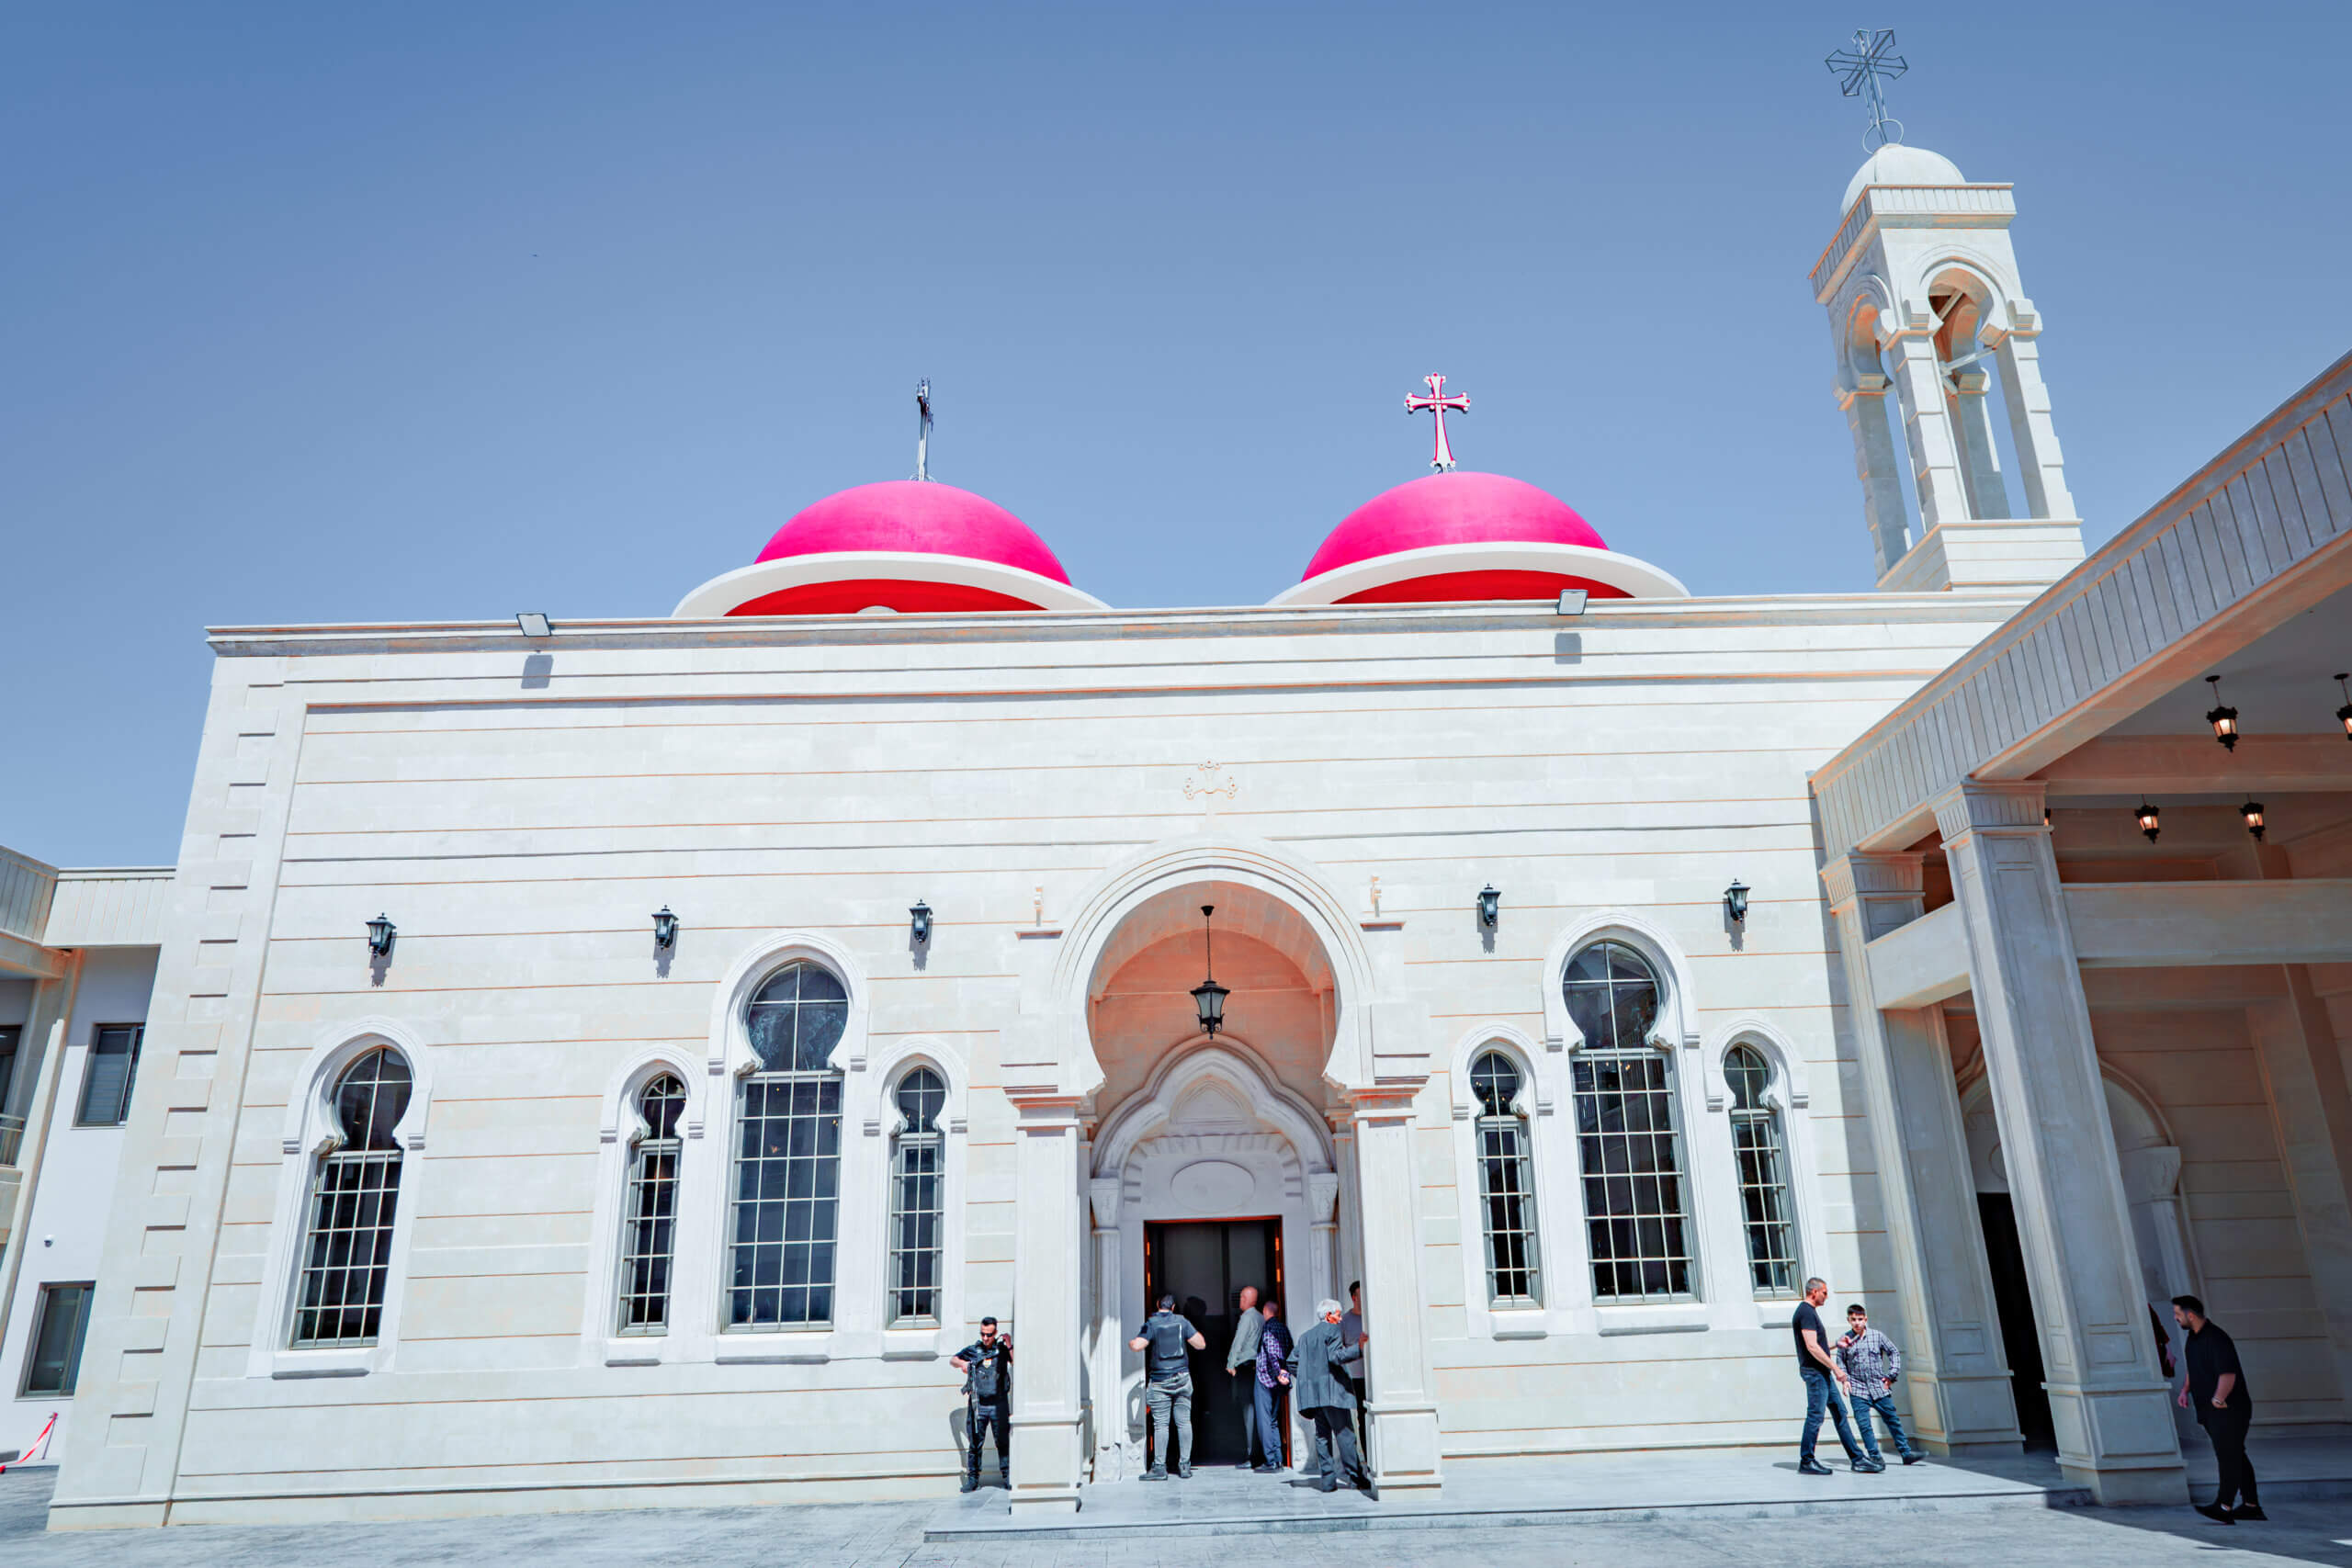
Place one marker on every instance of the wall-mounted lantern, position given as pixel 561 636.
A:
pixel 1735 900
pixel 2149 824
pixel 2344 714
pixel 2222 716
pixel 1490 907
pixel 2252 812
pixel 666 928
pixel 380 932
pixel 919 922
pixel 1208 996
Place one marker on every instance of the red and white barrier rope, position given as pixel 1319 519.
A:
pixel 38 1444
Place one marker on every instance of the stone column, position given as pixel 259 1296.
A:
pixel 1988 498
pixel 1045 1287
pixel 2107 1397
pixel 1877 466
pixel 1954 1363
pixel 2041 468
pixel 1402 1417
pixel 1350 1238
pixel 1111 1434
pixel 1323 1256
pixel 1935 454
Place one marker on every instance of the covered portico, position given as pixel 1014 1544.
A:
pixel 2072 862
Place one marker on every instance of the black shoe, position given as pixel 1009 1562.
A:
pixel 1869 1466
pixel 2245 1511
pixel 1183 1473
pixel 971 1483
pixel 1913 1458
pixel 2216 1513
pixel 1812 1467
pixel 1326 1486
pixel 1153 1475
pixel 1267 1469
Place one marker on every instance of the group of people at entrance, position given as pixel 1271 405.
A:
pixel 1321 1367
pixel 1866 1364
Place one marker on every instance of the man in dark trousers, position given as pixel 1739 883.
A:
pixel 2215 1390
pixel 1167 1386
pixel 1816 1367
pixel 986 1366
pixel 1317 1370
pixel 1266 1375
pixel 1240 1356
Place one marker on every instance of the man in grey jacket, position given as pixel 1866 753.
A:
pixel 1318 1368
pixel 1243 1353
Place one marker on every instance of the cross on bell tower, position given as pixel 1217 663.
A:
pixel 1862 70
pixel 1437 403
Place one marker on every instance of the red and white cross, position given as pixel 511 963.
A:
pixel 1437 403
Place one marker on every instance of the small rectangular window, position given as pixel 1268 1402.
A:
pixel 108 1077
pixel 63 1318
pixel 9 1035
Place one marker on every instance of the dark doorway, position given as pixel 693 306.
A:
pixel 1204 1264
pixel 2013 1303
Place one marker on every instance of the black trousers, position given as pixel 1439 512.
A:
pixel 1335 1446
pixel 2226 1430
pixel 978 1415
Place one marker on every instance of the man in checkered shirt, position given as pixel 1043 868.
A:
pixel 1871 1365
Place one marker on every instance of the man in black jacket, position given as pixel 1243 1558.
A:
pixel 986 1366
pixel 2215 1390
pixel 1317 1370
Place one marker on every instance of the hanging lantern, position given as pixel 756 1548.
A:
pixel 1735 899
pixel 2344 714
pixel 1490 905
pixel 666 928
pixel 1208 996
pixel 2252 812
pixel 380 931
pixel 2148 823
pixel 918 917
pixel 2222 716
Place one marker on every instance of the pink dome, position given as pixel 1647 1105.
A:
pixel 920 517
pixel 1457 508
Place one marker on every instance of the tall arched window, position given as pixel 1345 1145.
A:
pixel 788 1152
pixel 1627 1139
pixel 1763 1174
pixel 649 1209
pixel 918 1199
pixel 354 1195
pixel 1506 1184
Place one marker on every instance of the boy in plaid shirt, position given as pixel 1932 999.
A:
pixel 1871 1364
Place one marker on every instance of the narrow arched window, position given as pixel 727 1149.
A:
pixel 1506 1184
pixel 649 1209
pixel 1763 1175
pixel 1628 1138
pixel 355 1197
pixel 918 1199
pixel 788 1152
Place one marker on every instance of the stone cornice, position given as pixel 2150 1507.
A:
pixel 1907 207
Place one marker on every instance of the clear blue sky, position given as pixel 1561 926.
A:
pixel 335 312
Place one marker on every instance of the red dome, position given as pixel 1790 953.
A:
pixel 918 518
pixel 1457 508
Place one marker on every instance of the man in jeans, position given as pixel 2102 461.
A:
pixel 1817 1368
pixel 1871 1365
pixel 1244 1353
pixel 1167 1386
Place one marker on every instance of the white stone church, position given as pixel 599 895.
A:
pixel 612 1063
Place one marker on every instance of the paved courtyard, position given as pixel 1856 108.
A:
pixel 1998 1524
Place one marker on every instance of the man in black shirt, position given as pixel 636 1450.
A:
pixel 2214 1388
pixel 1816 1367
pixel 986 1366
pixel 1168 1385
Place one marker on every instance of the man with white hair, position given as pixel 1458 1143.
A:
pixel 1317 1369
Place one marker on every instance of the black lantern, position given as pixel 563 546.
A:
pixel 2222 716
pixel 1208 996
pixel 2344 714
pixel 666 928
pixel 1735 899
pixel 1490 905
pixel 919 922
pixel 2252 812
pixel 2148 823
pixel 380 936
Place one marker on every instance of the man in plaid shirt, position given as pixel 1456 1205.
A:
pixel 1871 1363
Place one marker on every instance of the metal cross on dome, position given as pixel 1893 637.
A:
pixel 1437 402
pixel 922 428
pixel 1862 70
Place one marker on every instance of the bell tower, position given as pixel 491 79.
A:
pixel 1925 304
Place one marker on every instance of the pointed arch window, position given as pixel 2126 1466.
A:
pixel 1764 1207
pixel 918 1199
pixel 649 1209
pixel 355 1197
pixel 786 1201
pixel 1506 1184
pixel 1628 1137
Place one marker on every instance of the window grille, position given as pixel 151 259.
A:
pixel 355 1196
pixel 54 1363
pixel 918 1199
pixel 1636 1207
pixel 1506 1185
pixel 1763 1175
pixel 649 1210
pixel 108 1075
pixel 787 1161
